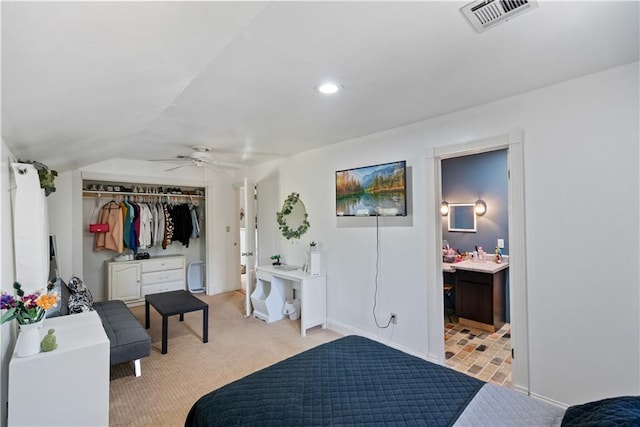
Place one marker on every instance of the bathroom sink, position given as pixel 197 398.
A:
pixel 285 267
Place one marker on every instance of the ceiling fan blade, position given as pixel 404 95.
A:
pixel 200 158
pixel 177 167
pixel 224 168
pixel 225 165
pixel 242 151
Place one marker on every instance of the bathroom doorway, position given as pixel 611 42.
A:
pixel 513 143
pixel 476 348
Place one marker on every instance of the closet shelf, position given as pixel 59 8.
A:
pixel 95 193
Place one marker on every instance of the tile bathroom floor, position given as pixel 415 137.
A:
pixel 480 354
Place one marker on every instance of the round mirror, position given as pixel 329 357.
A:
pixel 292 219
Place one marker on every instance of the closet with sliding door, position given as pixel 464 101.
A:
pixel 139 238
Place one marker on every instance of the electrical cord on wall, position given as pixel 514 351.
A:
pixel 375 295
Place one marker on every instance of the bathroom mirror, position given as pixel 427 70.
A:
pixel 462 217
pixel 293 218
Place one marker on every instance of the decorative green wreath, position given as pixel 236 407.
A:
pixel 287 208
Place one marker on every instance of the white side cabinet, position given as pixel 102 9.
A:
pixel 313 302
pixel 130 281
pixel 68 386
pixel 124 280
pixel 272 287
pixel 268 297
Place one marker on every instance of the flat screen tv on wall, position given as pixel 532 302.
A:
pixel 372 190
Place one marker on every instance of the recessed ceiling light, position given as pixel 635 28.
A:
pixel 327 88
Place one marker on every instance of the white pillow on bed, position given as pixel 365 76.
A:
pixel 499 406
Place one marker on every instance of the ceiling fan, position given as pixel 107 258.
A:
pixel 200 157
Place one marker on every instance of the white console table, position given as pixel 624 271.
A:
pixel 274 283
pixel 68 386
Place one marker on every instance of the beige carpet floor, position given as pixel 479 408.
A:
pixel 171 383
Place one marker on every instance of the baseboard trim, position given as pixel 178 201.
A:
pixel 345 329
pixel 550 401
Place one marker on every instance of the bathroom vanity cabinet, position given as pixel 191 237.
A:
pixel 480 298
pixel 480 294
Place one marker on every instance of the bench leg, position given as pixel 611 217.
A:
pixel 136 367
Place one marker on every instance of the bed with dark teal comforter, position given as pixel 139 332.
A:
pixel 352 380
pixel 357 381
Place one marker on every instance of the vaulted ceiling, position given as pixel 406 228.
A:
pixel 88 81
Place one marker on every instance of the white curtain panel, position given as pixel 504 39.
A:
pixel 30 229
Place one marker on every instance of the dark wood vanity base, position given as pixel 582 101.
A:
pixel 480 300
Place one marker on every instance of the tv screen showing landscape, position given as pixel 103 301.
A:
pixel 372 190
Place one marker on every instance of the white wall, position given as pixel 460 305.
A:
pixel 7 272
pixel 269 202
pixel 581 158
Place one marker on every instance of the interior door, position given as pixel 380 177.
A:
pixel 249 195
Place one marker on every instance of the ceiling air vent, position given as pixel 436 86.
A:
pixel 484 14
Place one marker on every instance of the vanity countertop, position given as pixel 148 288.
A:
pixel 286 271
pixel 490 267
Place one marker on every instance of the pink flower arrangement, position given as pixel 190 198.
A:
pixel 26 309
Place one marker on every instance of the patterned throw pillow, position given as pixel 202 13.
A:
pixel 76 284
pixel 80 300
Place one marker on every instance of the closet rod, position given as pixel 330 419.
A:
pixel 92 193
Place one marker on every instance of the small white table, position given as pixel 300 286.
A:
pixel 274 283
pixel 68 386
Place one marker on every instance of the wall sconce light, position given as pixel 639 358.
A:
pixel 480 207
pixel 444 208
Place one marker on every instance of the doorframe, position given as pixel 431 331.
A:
pixel 513 141
pixel 243 189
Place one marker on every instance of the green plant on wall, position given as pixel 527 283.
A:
pixel 288 223
pixel 46 176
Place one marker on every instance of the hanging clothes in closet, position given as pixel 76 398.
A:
pixel 111 214
pixel 195 224
pixel 183 227
pixel 137 225
pixel 168 225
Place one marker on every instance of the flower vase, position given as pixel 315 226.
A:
pixel 28 342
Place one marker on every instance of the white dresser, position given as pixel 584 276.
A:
pixel 130 281
pixel 68 386
pixel 274 284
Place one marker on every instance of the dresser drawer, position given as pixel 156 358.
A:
pixel 164 287
pixel 474 276
pixel 162 264
pixel 162 277
pixel 263 275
